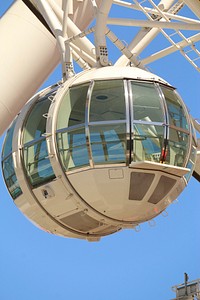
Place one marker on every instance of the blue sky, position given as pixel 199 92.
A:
pixel 128 265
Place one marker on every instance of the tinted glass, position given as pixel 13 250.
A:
pixel 35 126
pixel 37 163
pixel 35 154
pixel 108 143
pixel 7 165
pixel 7 147
pixel 107 102
pixel 148 142
pixel 176 111
pixel 72 108
pixel 72 149
pixel 10 177
pixel 177 147
pixel 191 162
pixel 146 102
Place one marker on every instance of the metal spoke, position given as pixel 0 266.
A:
pixel 160 18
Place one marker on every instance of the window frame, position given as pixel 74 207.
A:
pixel 5 157
pixel 46 95
pixel 130 122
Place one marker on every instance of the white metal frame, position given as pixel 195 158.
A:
pixel 74 45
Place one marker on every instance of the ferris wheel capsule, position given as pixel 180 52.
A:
pixel 108 149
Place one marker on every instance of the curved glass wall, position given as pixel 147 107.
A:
pixel 8 167
pixel 176 110
pixel 120 121
pixel 91 125
pixel 35 154
pixel 107 101
pixel 108 143
pixel 148 120
pixel 147 105
pixel 107 122
pixel 71 138
pixel 178 133
pixel 72 148
pixel 193 155
pixel 148 142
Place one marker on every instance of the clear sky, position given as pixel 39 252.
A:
pixel 128 265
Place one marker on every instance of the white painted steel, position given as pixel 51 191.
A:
pixel 107 200
pixel 39 53
pixel 100 40
pixel 152 11
pixel 144 37
pixel 155 24
pixel 28 54
pixel 59 30
pixel 84 44
pixel 114 72
pixel 194 5
pixel 68 9
pixel 171 49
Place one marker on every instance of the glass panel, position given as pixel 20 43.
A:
pixel 148 142
pixel 177 115
pixel 177 148
pixel 107 102
pixel 72 149
pixel 37 163
pixel 190 166
pixel 72 108
pixel 193 154
pixel 191 162
pixel 35 125
pixel 108 143
pixel 10 177
pixel 194 137
pixel 7 147
pixel 146 102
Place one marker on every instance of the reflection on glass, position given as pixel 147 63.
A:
pixel 193 153
pixel 108 127
pixel 191 162
pixel 177 147
pixel 72 149
pixel 37 163
pixel 107 102
pixel 146 102
pixel 77 99
pixel 7 165
pixel 148 142
pixel 108 143
pixel 35 154
pixel 190 166
pixel 35 125
pixel 177 114
pixel 7 147
pixel 194 137
pixel 10 177
pixel 72 108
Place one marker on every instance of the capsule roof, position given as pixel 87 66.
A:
pixel 113 72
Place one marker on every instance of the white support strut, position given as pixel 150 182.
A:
pixel 41 50
pixel 100 40
pixel 144 37
pixel 35 54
